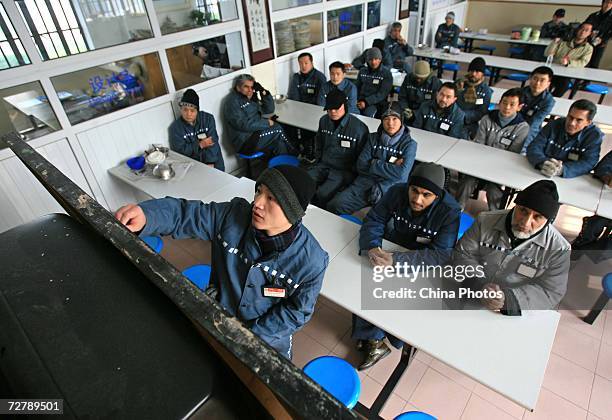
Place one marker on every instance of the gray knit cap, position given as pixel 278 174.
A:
pixel 430 176
pixel 372 53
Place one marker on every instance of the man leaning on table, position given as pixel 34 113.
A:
pixel 267 268
pixel 568 147
pixel 447 34
pixel 420 216
pixel 525 260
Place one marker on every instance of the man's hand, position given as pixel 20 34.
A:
pixel 557 40
pixel 399 161
pixel 206 142
pixel 552 167
pixel 401 40
pixel 607 180
pixel 361 104
pixel 494 304
pixel 132 217
pixel 565 60
pixel 270 122
pixel 379 257
pixel 597 41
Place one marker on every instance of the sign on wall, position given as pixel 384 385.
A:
pixel 257 17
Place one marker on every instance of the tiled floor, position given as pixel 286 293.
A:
pixel 578 380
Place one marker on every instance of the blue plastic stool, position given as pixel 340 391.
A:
pixel 487 72
pixel 337 377
pixel 599 89
pixel 154 242
pixel 516 51
pixel 415 415
pixel 486 47
pixel 518 77
pixel 248 159
pixel 465 223
pixel 283 160
pixel 454 67
pixel 605 296
pixel 491 106
pixel 352 218
pixel 199 275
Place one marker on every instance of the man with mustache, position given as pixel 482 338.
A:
pixel 267 268
pixel 442 115
pixel 474 95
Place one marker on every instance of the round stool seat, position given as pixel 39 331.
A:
pixel 595 88
pixel 486 47
pixel 337 377
pixel 465 223
pixel 352 218
pixel 606 283
pixel 283 160
pixel 253 156
pixel 199 275
pixel 518 77
pixel 415 415
pixel 154 242
pixel 450 66
pixel 516 50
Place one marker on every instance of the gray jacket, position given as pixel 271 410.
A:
pixel 510 138
pixel 535 271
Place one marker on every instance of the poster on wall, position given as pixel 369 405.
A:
pixel 405 7
pixel 257 17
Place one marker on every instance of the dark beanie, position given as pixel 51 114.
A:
pixel 477 64
pixel 560 13
pixel 541 196
pixel 379 43
pixel 292 187
pixel 430 176
pixel 335 99
pixel 190 97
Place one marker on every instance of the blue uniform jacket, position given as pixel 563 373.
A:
pixel 412 95
pixel 475 111
pixel 238 270
pixel 604 167
pixel 244 116
pixel 535 110
pixel 376 160
pixel 449 123
pixel 342 145
pixel 373 86
pixel 432 234
pixel 395 53
pixel 184 138
pixel 306 87
pixel 346 86
pixel 579 153
pixel 447 35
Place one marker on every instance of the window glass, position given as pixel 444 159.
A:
pixel 67 27
pixel 180 15
pixel 286 4
pixel 299 33
pixel 106 88
pixel 205 60
pixel 12 53
pixel 343 22
pixel 26 110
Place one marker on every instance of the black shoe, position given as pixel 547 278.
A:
pixel 377 350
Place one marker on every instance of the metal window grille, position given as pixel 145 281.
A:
pixel 12 53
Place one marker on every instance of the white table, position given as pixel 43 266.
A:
pixel 514 170
pixel 605 203
pixel 503 38
pixel 507 354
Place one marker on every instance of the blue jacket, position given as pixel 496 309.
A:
pixel 447 35
pixel 395 53
pixel 342 145
pixel 244 116
pixel 535 110
pixel 433 230
pixel 579 153
pixel 373 86
pixel 427 118
pixel 238 269
pixel 412 94
pixel 306 87
pixel 346 86
pixel 184 138
pixel 604 167
pixel 376 160
pixel 475 111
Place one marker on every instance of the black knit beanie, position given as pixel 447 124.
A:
pixel 190 97
pixel 477 64
pixel 541 196
pixel 430 176
pixel 292 187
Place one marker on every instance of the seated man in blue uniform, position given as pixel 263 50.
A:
pixel 474 95
pixel 397 49
pixel 248 130
pixel 419 86
pixel 442 115
pixel 374 83
pixel 448 32
pixel 539 102
pixel 341 137
pixel 267 268
pixel 338 81
pixel 361 60
pixel 194 134
pixel 420 216
pixel 568 147
pixel 385 160
pixel 306 84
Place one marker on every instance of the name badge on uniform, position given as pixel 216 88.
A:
pixel 392 159
pixel 444 126
pixel 479 101
pixel 310 91
pixel 276 292
pixel 525 270
pixel 573 156
pixel 376 81
pixel 345 143
pixel 423 240
pixel 505 141
pixel 530 112
pixel 427 96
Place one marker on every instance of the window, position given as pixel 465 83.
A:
pixel 12 53
pixel 67 27
pixel 181 15
pixel 103 89
pixel 26 110
pixel 204 60
pixel 286 4
pixel 299 33
pixel 380 12
pixel 343 22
